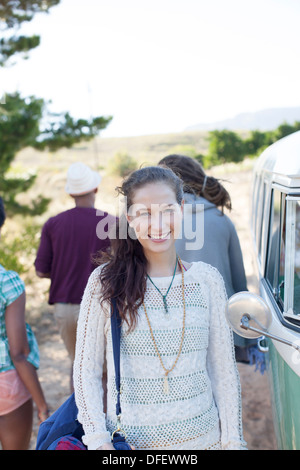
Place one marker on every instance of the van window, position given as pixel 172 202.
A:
pixel 254 201
pixel 261 248
pixel 260 207
pixel 276 254
pixel 297 262
pixel 255 207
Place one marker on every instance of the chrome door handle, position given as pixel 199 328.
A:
pixel 262 345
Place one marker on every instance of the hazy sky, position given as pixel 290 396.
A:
pixel 162 65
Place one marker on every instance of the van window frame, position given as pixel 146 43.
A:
pixel 273 287
pixel 262 248
pixel 291 248
pixel 257 185
pixel 288 202
pixel 259 217
pixel 254 201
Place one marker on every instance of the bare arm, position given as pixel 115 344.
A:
pixel 19 350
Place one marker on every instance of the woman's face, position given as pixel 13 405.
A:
pixel 155 217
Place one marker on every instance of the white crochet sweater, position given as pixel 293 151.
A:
pixel 203 407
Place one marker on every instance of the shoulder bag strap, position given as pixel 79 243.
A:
pixel 116 335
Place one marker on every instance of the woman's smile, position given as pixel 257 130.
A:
pixel 159 238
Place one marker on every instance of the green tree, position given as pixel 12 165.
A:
pixel 225 146
pixel 13 13
pixel 259 140
pixel 285 129
pixel 25 121
pixel 20 120
pixel 256 141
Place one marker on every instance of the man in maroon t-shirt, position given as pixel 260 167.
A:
pixel 68 242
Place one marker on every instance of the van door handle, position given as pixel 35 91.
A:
pixel 262 345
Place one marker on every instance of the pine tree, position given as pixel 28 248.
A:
pixel 21 117
pixel 13 13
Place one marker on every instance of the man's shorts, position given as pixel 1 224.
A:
pixel 66 316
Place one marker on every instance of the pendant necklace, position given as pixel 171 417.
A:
pixel 164 296
pixel 167 371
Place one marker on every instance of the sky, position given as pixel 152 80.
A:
pixel 160 66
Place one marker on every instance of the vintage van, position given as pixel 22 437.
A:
pixel 275 224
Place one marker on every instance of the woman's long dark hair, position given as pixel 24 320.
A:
pixel 124 271
pixel 196 181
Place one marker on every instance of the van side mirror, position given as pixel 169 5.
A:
pixel 250 317
pixel 245 311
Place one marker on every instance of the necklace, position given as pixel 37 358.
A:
pixel 167 371
pixel 164 296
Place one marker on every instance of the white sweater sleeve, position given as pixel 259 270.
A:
pixel 222 367
pixel 88 365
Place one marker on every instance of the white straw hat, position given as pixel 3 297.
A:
pixel 81 179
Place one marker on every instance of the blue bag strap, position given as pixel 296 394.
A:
pixel 116 335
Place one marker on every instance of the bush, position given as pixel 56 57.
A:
pixel 122 164
pixel 225 146
pixel 18 253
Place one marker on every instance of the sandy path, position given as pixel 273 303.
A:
pixel 257 416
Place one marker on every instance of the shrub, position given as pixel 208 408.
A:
pixel 122 164
pixel 18 253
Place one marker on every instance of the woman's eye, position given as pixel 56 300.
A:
pixel 169 210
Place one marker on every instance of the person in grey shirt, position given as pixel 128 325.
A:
pixel 218 238
pixel 208 234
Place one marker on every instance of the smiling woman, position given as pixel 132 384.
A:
pixel 152 220
pixel 179 391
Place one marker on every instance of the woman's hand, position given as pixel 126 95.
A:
pixel 43 414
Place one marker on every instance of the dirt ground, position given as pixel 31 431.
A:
pixel 257 416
